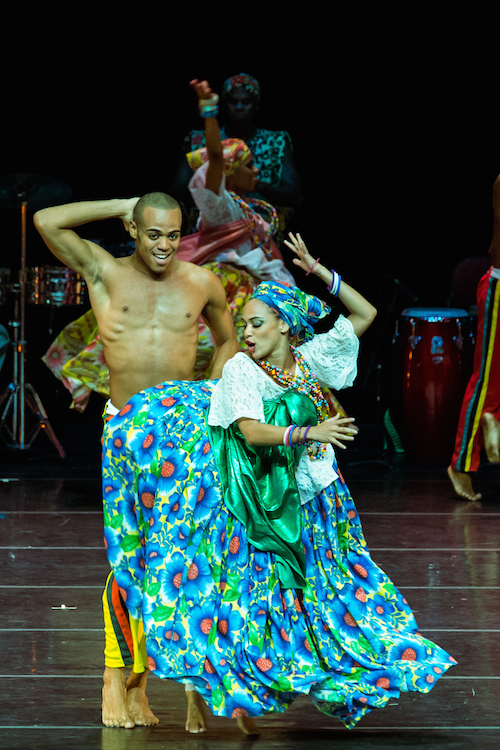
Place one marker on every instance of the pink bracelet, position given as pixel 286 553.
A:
pixel 313 266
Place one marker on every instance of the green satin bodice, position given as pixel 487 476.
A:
pixel 259 487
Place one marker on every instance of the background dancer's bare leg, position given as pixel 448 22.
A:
pixel 491 433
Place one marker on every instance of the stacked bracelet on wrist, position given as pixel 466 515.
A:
pixel 288 436
pixel 209 107
pixel 335 287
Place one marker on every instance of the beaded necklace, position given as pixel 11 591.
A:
pixel 249 214
pixel 308 385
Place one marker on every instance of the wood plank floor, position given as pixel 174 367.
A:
pixel 441 552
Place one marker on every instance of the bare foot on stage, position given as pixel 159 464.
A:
pixel 491 433
pixel 114 700
pixel 138 708
pixel 196 716
pixel 462 484
pixel 247 726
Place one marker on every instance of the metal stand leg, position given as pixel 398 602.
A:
pixel 17 437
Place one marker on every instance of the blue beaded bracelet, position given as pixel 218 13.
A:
pixel 213 112
pixel 209 107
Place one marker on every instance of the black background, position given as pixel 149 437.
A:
pixel 393 118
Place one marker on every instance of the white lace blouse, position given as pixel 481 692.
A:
pixel 217 210
pixel 244 386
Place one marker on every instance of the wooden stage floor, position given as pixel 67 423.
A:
pixel 443 554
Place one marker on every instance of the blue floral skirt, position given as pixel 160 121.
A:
pixel 211 604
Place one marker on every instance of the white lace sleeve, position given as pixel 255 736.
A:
pixel 215 210
pixel 333 356
pixel 237 394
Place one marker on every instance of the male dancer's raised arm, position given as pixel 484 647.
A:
pixel 57 224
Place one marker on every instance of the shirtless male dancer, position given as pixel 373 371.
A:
pixel 147 307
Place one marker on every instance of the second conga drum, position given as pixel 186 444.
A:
pixel 56 286
pixel 433 362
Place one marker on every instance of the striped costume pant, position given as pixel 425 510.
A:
pixel 125 642
pixel 482 394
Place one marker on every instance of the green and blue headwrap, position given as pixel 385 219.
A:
pixel 297 308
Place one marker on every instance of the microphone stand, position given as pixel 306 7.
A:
pixel 18 393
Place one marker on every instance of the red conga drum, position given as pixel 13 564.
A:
pixel 434 350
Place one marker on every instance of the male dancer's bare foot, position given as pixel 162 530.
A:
pixel 491 434
pixel 247 726
pixel 462 484
pixel 114 700
pixel 196 716
pixel 138 708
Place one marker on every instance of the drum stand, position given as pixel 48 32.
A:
pixel 381 459
pixel 18 393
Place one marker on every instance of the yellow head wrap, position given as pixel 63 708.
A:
pixel 235 152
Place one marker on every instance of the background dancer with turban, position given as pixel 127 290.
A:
pixel 225 172
pixel 234 235
pixel 147 306
pixel 321 618
pixel 278 181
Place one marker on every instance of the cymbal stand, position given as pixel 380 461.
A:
pixel 18 393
